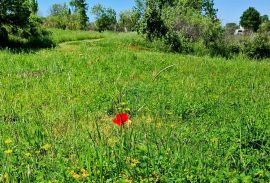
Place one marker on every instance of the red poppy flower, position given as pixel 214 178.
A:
pixel 120 119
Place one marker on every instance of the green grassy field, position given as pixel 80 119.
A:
pixel 200 120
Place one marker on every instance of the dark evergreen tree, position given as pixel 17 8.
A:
pixel 152 24
pixel 251 19
pixel 80 7
pixel 34 6
pixel 13 13
pixel 209 10
pixel 264 18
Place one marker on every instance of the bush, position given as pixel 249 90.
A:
pixel 265 27
pixel 258 47
pixel 33 35
pixel 173 42
pixel 37 35
pixel 70 22
pixel 105 18
pixel 3 37
pixel 55 22
pixel 152 24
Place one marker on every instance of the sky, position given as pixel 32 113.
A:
pixel 228 10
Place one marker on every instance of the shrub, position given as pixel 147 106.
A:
pixel 55 22
pixel 3 37
pixel 105 17
pixel 258 47
pixel 265 27
pixel 171 39
pixel 152 24
pixel 195 31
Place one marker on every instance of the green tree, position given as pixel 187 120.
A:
pixel 33 6
pixel 15 14
pixel 128 20
pixel 80 9
pixel 16 20
pixel 139 10
pixel 265 27
pixel 264 18
pixel 251 19
pixel 194 4
pixel 59 10
pixel 105 17
pixel 152 25
pixel 209 10
pixel 230 28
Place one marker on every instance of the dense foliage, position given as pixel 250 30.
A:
pixel 62 17
pixel 258 47
pixel 251 19
pixel 80 10
pixel 105 17
pixel 33 6
pixel 18 27
pixel 230 28
pixel 193 27
pixel 128 20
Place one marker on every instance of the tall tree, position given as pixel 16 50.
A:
pixel 59 10
pixel 33 6
pixel 152 24
pixel 105 17
pixel 81 9
pixel 14 12
pixel 128 20
pixel 15 20
pixel 209 10
pixel 264 18
pixel 251 19
pixel 194 4
pixel 139 10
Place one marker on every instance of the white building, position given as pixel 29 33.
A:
pixel 239 31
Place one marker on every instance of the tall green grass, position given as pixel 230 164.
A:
pixel 60 36
pixel 201 120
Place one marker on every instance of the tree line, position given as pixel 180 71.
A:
pixel 183 26
pixel 73 16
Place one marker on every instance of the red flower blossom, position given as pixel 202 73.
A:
pixel 120 119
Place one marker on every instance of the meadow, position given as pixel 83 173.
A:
pixel 192 119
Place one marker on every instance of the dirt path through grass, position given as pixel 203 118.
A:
pixel 79 41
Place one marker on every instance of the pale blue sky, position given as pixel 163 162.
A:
pixel 229 10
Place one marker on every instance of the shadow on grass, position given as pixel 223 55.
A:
pixel 30 46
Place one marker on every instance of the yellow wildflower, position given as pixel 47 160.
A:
pixel 6 177
pixel 158 125
pixel 28 154
pixel 112 141
pixel 215 140
pixel 8 141
pixel 128 181
pixel 8 151
pixel 129 123
pixel 148 120
pixel 134 162
pixel 46 147
pixel 85 173
pixel 75 175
